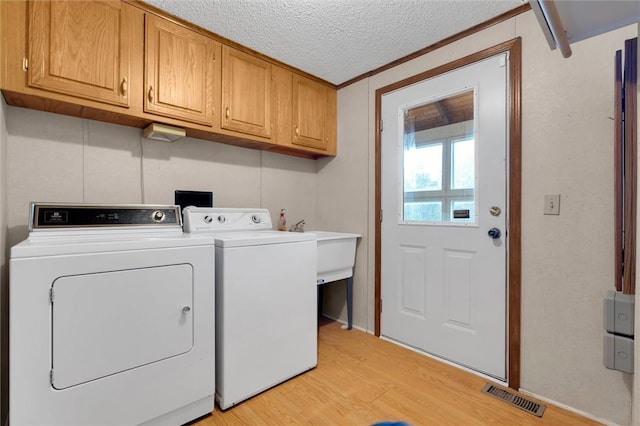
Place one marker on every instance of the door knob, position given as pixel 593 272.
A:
pixel 494 233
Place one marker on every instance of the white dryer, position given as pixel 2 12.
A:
pixel 266 300
pixel 111 318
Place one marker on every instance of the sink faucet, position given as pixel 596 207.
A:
pixel 298 227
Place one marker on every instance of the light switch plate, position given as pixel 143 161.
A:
pixel 552 204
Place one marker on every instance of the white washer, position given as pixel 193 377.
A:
pixel 266 300
pixel 111 318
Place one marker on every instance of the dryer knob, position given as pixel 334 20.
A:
pixel 157 215
pixel 222 219
pixel 256 219
pixel 208 219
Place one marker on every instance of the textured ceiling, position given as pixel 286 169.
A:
pixel 336 40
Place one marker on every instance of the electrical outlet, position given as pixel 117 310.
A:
pixel 552 204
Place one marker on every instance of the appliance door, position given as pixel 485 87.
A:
pixel 113 343
pixel 109 322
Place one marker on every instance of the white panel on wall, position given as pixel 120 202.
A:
pixel 67 159
pixel 45 163
pixel 412 279
pixel 111 163
pixel 231 173
pixel 289 183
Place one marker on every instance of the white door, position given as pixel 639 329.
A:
pixel 444 215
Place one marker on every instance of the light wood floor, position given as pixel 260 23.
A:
pixel 361 380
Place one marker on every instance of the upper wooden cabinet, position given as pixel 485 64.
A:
pixel 180 71
pixel 246 93
pixel 80 49
pixel 309 113
pixel 306 113
pixel 128 63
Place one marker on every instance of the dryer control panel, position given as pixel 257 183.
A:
pixel 56 216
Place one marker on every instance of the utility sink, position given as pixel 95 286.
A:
pixel 336 255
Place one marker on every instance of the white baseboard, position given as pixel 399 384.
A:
pixel 567 407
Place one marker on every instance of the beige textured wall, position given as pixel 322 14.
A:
pixel 567 259
pixel 343 202
pixel 67 159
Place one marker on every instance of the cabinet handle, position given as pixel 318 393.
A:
pixel 297 131
pixel 150 93
pixel 228 113
pixel 124 87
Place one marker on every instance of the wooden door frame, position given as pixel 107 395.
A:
pixel 514 177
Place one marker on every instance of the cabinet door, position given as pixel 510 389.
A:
pixel 309 113
pixel 246 93
pixel 80 49
pixel 179 71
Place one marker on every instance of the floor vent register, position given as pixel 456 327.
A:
pixel 516 400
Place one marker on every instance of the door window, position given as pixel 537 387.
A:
pixel 438 159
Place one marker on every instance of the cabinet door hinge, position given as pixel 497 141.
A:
pixel 381 125
pixel 25 64
pixel 381 214
pixel 51 294
pixel 51 376
pixel 380 305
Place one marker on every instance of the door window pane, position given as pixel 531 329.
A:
pixel 423 212
pixel 423 168
pixel 462 164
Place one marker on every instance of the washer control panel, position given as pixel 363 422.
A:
pixel 212 219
